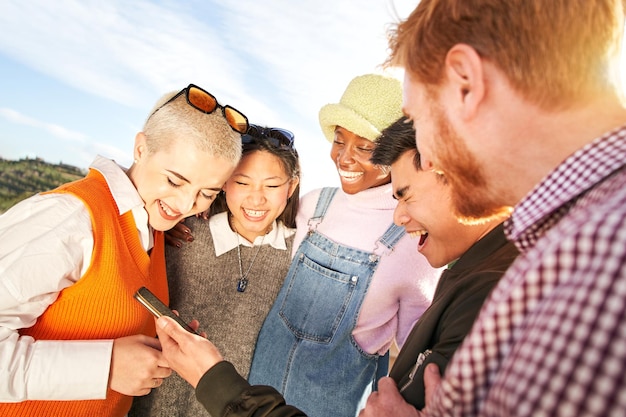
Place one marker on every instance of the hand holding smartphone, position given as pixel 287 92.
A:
pixel 158 308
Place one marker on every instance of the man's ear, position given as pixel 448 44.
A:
pixel 140 149
pixel 464 70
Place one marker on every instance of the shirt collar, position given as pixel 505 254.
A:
pixel 126 196
pixel 225 239
pixel 553 196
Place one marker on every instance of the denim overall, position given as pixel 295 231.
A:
pixel 305 348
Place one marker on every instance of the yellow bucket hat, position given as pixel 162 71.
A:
pixel 370 103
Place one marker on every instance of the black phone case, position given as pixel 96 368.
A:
pixel 158 308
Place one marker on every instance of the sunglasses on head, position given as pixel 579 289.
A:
pixel 205 102
pixel 277 137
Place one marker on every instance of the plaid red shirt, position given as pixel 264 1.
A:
pixel 551 338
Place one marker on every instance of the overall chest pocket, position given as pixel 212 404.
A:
pixel 316 300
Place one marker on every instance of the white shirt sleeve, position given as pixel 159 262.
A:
pixel 45 246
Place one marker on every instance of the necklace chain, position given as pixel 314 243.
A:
pixel 242 283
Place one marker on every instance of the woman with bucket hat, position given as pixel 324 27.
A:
pixel 355 283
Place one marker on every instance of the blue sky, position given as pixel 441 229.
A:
pixel 77 78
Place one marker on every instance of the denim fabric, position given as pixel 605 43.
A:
pixel 305 348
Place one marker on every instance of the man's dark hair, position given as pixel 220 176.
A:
pixel 394 141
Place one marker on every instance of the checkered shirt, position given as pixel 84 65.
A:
pixel 551 338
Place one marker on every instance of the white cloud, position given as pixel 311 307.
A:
pixel 124 51
pixel 53 129
pixel 308 51
pixel 278 61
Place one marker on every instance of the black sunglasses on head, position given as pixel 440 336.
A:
pixel 206 102
pixel 277 137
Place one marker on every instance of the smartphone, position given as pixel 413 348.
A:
pixel 158 308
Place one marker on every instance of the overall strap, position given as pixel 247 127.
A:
pixel 326 196
pixel 382 369
pixel 389 239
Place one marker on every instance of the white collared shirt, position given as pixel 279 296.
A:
pixel 225 239
pixel 45 246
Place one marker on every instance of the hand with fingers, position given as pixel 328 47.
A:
pixel 137 365
pixel 188 354
pixel 178 235
pixel 387 401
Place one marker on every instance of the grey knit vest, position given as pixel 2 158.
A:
pixel 204 287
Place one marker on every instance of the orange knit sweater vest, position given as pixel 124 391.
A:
pixel 101 304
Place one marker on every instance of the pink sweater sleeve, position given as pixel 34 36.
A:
pixel 401 290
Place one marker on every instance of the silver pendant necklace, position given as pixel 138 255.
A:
pixel 242 283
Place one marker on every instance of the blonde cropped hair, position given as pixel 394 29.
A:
pixel 178 120
pixel 552 51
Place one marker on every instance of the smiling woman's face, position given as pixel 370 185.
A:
pixel 351 155
pixel 257 193
pixel 176 182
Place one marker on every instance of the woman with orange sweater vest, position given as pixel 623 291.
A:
pixel 73 341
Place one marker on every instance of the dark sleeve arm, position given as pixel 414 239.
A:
pixel 223 392
pixel 455 324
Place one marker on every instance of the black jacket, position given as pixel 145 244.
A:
pixel 460 294
pixel 224 392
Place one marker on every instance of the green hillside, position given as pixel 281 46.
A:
pixel 25 177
